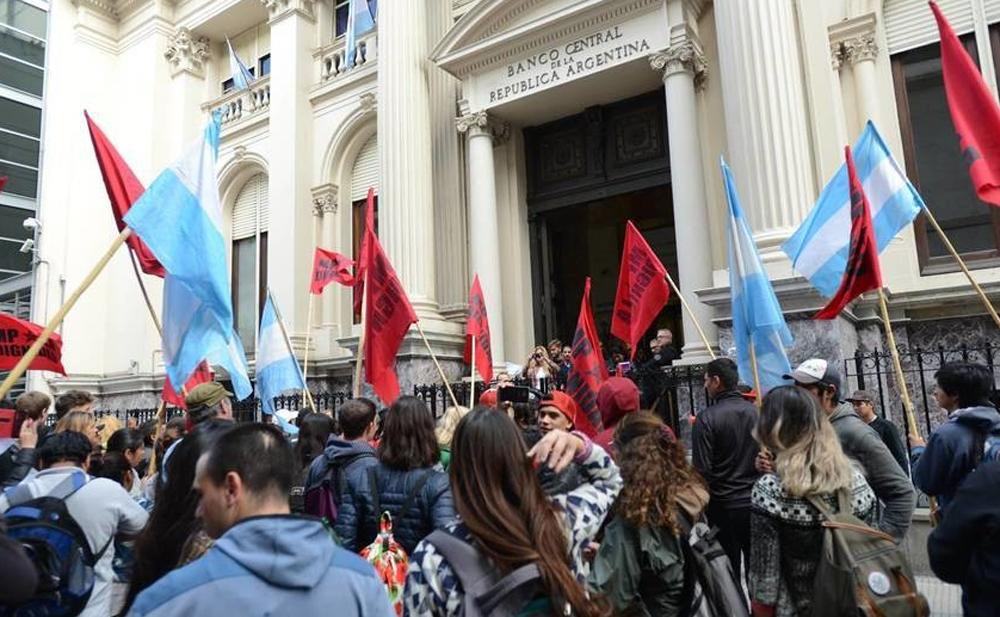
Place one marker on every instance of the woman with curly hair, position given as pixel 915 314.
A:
pixel 640 564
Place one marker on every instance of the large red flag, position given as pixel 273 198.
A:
pixel 478 325
pixel 388 316
pixel 359 279
pixel 123 189
pixel 17 335
pixel 329 267
pixel 202 374
pixel 974 112
pixel 642 289
pixel 587 368
pixel 863 271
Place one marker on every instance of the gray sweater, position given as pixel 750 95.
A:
pixel 890 483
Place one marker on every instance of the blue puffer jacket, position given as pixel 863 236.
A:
pixel 430 506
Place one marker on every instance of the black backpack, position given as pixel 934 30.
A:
pixel 487 593
pixel 711 588
pixel 57 546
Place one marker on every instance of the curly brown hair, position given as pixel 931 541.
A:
pixel 654 468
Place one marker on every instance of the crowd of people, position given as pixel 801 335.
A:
pixel 503 509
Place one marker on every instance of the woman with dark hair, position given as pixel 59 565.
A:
pixel 130 444
pixel 314 429
pixel 404 483
pixel 660 489
pixel 786 526
pixel 173 536
pixel 506 516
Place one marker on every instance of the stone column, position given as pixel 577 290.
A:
pixel 684 67
pixel 290 234
pixel 765 108
pixel 860 52
pixel 325 207
pixel 837 64
pixel 406 207
pixel 484 231
pixel 187 56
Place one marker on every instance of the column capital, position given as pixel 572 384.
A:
pixel 853 40
pixel 324 199
pixel 860 49
pixel 684 57
pixel 279 9
pixel 481 123
pixel 187 53
pixel 836 56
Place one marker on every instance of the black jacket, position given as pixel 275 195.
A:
pixel 965 547
pixel 890 437
pixel 15 464
pixel 723 449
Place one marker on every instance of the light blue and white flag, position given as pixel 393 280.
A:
pixel 359 21
pixel 818 249
pixel 757 316
pixel 180 218
pixel 242 77
pixel 277 368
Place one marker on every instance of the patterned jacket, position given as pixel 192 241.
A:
pixel 787 538
pixel 432 588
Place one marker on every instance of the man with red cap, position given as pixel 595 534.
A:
pixel 618 396
pixel 558 411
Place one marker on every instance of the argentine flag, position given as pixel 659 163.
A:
pixel 818 249
pixel 180 218
pixel 277 368
pixel 757 316
pixel 242 77
pixel 359 21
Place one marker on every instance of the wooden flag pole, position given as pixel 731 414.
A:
pixel 756 374
pixel 161 416
pixel 907 404
pixel 472 373
pixel 361 346
pixel 694 318
pixel 307 396
pixel 440 371
pixel 30 355
pixel 305 355
pixel 961 264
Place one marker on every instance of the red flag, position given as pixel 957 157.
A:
pixel 587 368
pixel 3 182
pixel 642 289
pixel 388 316
pixel 478 326
pixel 329 267
pixel 863 272
pixel 359 279
pixel 974 112
pixel 202 374
pixel 17 335
pixel 123 189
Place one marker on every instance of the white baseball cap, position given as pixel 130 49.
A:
pixel 815 370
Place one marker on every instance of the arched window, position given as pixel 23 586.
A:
pixel 249 233
pixel 363 177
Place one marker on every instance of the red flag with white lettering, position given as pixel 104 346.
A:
pixel 330 267
pixel 587 368
pixel 388 316
pixel 478 326
pixel 202 374
pixel 359 279
pixel 642 289
pixel 17 335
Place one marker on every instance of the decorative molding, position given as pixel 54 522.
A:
pixel 481 123
pixel 860 49
pixel 368 102
pixel 836 56
pixel 187 52
pixel 105 8
pixel 684 57
pixel 324 199
pixel 853 40
pixel 239 152
pixel 279 9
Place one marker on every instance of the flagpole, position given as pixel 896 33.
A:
pixel 472 373
pixel 305 356
pixel 437 364
pixel 694 318
pixel 361 345
pixel 756 374
pixel 32 353
pixel 961 264
pixel 161 416
pixel 904 391
pixel 288 342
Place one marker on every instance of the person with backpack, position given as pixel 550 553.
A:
pixel 314 431
pixel 787 529
pixel 640 566
pixel 965 548
pixel 77 518
pixel 265 560
pixel 404 483
pixel 20 578
pixel 513 548
pixel 348 455
pixel 957 446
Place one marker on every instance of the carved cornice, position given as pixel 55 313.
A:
pixel 187 52
pixel 103 7
pixel 279 9
pixel 684 57
pixel 860 49
pixel 853 40
pixel 324 199
pixel 481 123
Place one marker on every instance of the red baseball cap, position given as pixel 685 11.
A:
pixel 562 402
pixel 488 398
pixel 617 397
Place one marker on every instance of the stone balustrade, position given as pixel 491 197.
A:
pixel 238 105
pixel 333 57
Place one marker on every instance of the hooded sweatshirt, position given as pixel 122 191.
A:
pixel 950 454
pixel 347 458
pixel 270 565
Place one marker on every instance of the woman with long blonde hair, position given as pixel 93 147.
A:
pixel 446 429
pixel 785 526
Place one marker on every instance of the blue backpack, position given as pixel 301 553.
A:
pixel 58 547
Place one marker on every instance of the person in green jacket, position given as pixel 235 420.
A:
pixel 639 566
pixel 444 431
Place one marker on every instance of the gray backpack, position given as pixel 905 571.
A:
pixel 711 588
pixel 487 593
